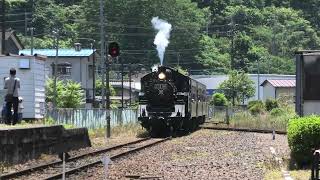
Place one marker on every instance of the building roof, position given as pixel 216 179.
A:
pixel 10 34
pixel 213 81
pixel 14 56
pixel 61 53
pixel 280 82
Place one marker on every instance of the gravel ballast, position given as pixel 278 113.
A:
pixel 205 154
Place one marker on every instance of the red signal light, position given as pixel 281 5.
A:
pixel 114 49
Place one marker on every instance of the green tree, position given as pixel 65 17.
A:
pixel 242 47
pixel 69 93
pixel 238 87
pixel 129 23
pixel 218 99
pixel 99 88
pixel 309 8
pixel 212 56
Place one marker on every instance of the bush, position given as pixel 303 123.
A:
pixel 276 111
pixel 218 99
pixel 303 137
pixel 271 104
pixel 256 107
pixel 69 93
pixel 252 103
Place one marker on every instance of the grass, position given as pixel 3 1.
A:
pixel 276 174
pixel 264 120
pixel 273 171
pixel 127 130
pixel 119 134
pixel 45 122
pixel 23 124
pixel 300 174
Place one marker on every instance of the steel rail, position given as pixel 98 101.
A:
pixel 44 166
pixel 114 157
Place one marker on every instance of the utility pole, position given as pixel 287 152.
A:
pixel 25 23
pixel 102 48
pixel 105 70
pixel 3 27
pixel 130 85
pixel 178 58
pixel 32 32
pixel 93 73
pixel 56 34
pixel 232 45
pixel 122 69
pixel 259 79
pixel 208 24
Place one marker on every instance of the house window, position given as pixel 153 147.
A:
pixel 64 69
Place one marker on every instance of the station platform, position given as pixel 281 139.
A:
pixel 19 144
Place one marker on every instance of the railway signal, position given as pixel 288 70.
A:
pixel 114 49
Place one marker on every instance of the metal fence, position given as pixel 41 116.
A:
pixel 92 118
pixel 223 114
pixel 240 117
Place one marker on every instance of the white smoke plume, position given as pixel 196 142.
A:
pixel 162 38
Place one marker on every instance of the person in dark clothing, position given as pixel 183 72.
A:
pixel 12 84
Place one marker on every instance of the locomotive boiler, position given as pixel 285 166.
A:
pixel 170 101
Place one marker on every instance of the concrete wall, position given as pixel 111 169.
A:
pixel 311 107
pixel 285 91
pixel 20 145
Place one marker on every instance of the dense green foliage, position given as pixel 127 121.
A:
pixel 277 112
pixel 271 104
pixel 218 99
pixel 214 35
pixel 303 136
pixel 69 93
pixel 238 87
pixel 99 88
pixel 256 107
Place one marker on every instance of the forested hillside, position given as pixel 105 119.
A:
pixel 208 36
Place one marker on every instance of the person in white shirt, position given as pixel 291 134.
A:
pixel 12 84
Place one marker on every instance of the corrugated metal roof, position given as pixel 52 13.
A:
pixel 61 52
pixel 280 82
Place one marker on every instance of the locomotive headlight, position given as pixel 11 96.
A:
pixel 162 76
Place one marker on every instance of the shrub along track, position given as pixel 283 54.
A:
pixel 54 170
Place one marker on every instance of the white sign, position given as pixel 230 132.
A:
pixel 24 64
pixel 106 161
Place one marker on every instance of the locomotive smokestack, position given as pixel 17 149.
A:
pixel 162 38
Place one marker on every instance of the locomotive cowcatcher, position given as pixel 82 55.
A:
pixel 170 101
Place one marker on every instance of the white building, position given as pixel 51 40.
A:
pixel 273 89
pixel 213 81
pixel 31 71
pixel 75 64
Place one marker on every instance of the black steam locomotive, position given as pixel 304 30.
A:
pixel 170 101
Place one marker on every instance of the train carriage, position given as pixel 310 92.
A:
pixel 170 101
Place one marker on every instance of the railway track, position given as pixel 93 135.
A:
pixel 75 164
pixel 244 129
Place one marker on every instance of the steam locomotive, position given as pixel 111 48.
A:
pixel 170 101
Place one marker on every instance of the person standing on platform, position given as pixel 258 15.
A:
pixel 12 84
